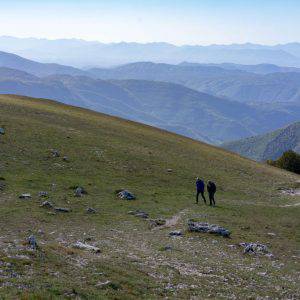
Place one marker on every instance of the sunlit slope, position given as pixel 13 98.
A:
pixel 105 154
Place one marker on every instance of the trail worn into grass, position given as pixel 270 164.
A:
pixel 173 221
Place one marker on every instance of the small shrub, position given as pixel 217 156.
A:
pixel 289 161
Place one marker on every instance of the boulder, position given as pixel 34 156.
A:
pixel 254 248
pixel 126 195
pixel 2 130
pixel 43 194
pixel 25 196
pixel 55 153
pixel 91 210
pixel 62 209
pixel 80 191
pixel 175 233
pixel 207 228
pixel 32 242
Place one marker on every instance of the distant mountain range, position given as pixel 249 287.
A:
pixel 268 146
pixel 82 53
pixel 235 82
pixel 165 105
pixel 163 100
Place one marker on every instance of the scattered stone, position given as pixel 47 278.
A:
pixel 43 194
pixel 103 284
pixel 175 233
pixel 167 248
pixel 91 210
pixel 245 227
pixel 169 170
pixel 47 204
pixel 55 153
pixel 126 195
pixel 157 222
pixel 139 214
pixel 2 184
pixel 32 242
pixel 62 209
pixel 254 248
pixel 83 246
pixel 80 191
pixel 209 228
pixel 53 186
pixel 25 196
pixel 271 234
pixel 71 294
pixel 291 192
pixel 51 213
pixel 2 130
pixel 66 159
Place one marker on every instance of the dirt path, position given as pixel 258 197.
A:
pixel 173 221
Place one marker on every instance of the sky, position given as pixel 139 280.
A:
pixel 174 21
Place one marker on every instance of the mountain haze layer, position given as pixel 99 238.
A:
pixel 80 53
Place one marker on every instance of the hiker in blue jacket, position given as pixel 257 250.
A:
pixel 200 186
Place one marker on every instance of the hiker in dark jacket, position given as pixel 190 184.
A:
pixel 200 186
pixel 211 189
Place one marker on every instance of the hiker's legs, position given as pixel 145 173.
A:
pixel 197 196
pixel 213 199
pixel 203 197
pixel 210 198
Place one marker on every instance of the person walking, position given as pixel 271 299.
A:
pixel 200 187
pixel 211 189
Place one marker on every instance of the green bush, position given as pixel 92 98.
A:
pixel 289 161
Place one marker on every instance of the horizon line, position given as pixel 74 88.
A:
pixel 150 42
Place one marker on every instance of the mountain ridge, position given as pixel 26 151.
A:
pixel 162 104
pixel 268 146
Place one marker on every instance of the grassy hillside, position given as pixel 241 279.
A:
pixel 105 154
pixel 268 146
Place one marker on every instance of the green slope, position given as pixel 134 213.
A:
pixel 106 154
pixel 268 146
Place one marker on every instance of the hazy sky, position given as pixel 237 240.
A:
pixel 174 21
